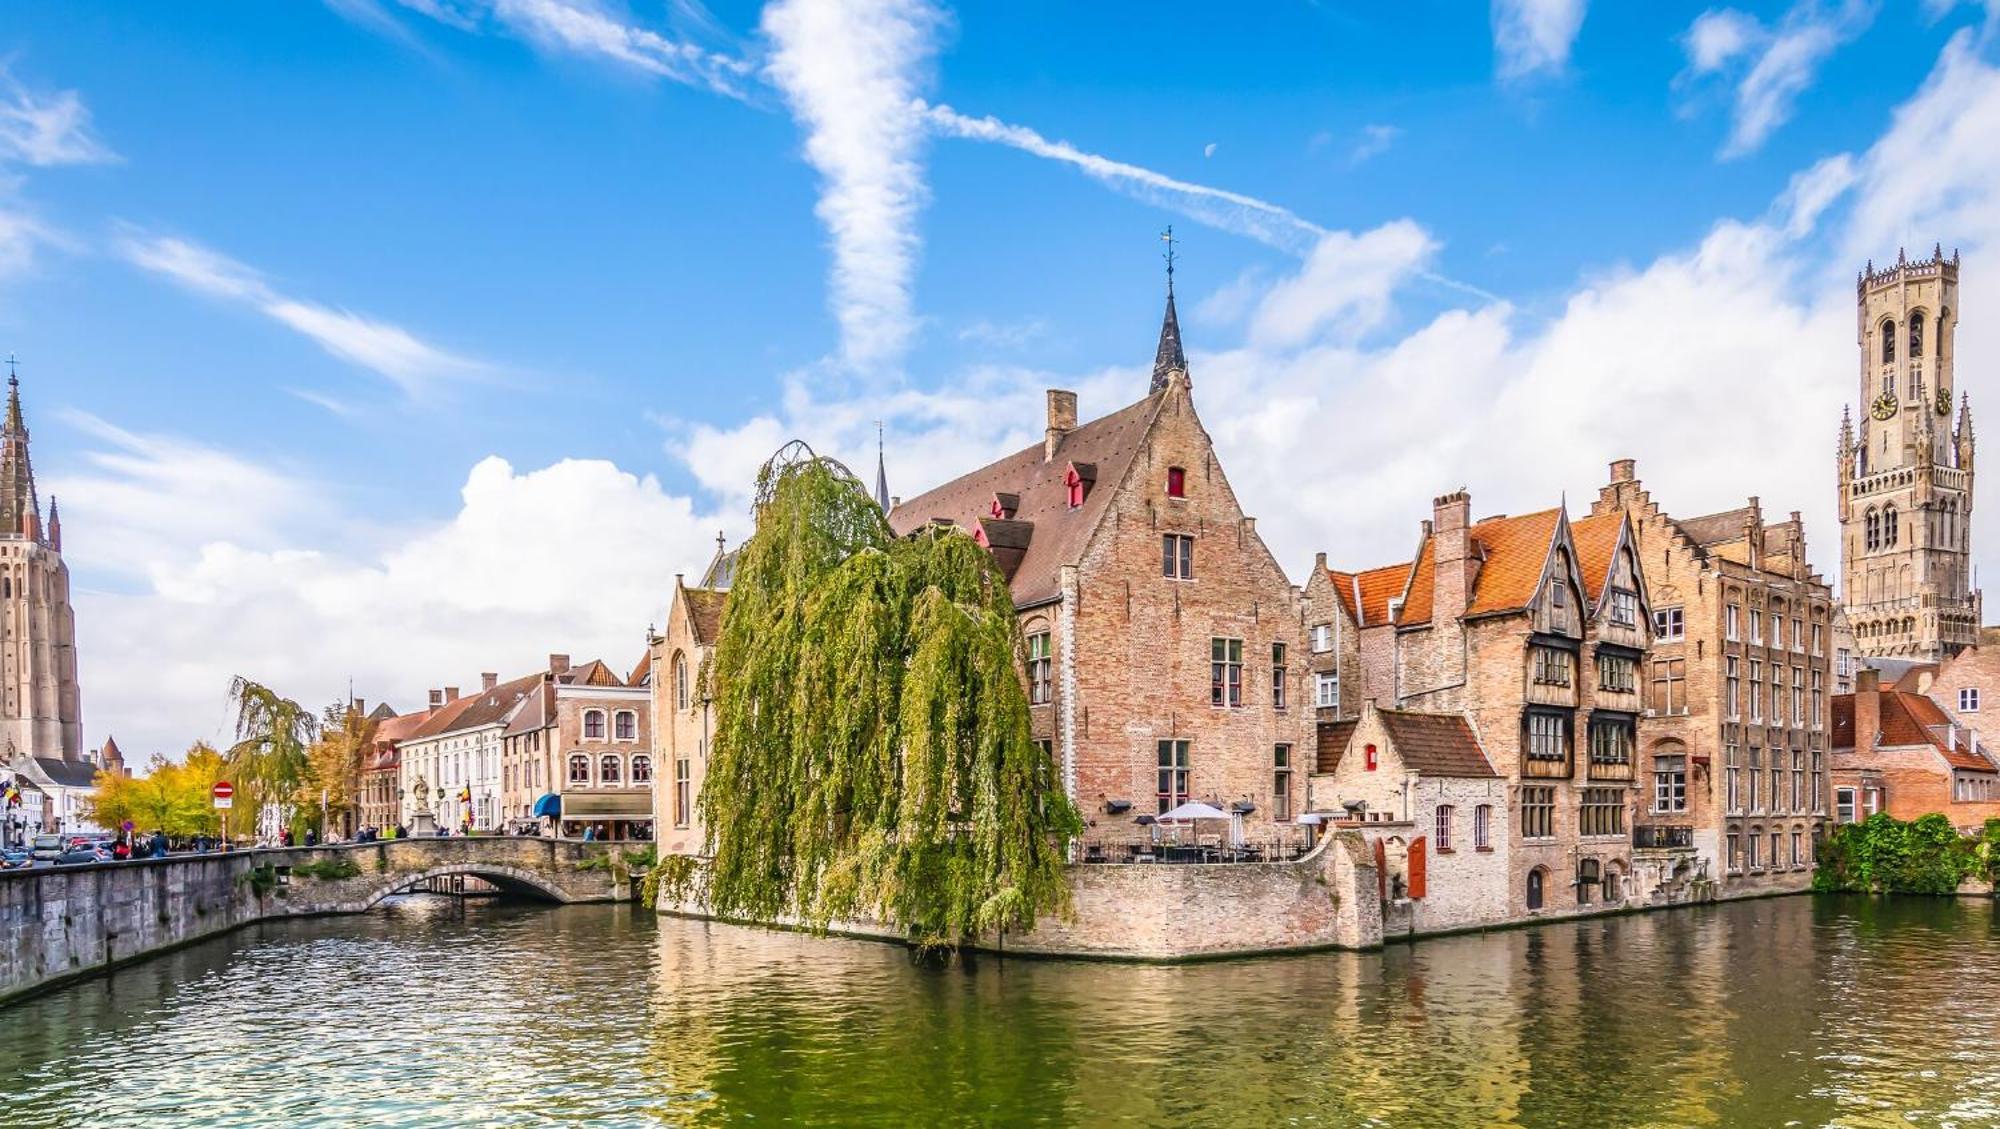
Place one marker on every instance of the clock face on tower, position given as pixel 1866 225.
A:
pixel 1884 406
pixel 1943 400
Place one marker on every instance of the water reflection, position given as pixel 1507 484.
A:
pixel 1845 1013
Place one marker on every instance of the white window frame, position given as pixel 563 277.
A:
pixel 1326 690
pixel 1968 699
pixel 1444 815
pixel 1322 638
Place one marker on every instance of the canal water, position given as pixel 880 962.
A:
pixel 428 1012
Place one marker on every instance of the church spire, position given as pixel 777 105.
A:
pixel 1168 358
pixel 13 397
pixel 881 472
pixel 20 511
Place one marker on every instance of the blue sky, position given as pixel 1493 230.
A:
pixel 286 277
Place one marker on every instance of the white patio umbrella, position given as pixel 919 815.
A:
pixel 1192 811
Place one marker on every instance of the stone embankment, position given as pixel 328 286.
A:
pixel 59 923
pixel 1170 912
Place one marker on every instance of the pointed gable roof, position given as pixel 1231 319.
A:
pixel 1597 538
pixel 1912 719
pixel 704 612
pixel 1106 445
pixel 1168 357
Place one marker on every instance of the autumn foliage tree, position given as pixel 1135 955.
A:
pixel 171 796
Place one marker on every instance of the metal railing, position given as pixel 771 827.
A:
pixel 1662 838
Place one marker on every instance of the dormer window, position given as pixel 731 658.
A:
pixel 1176 482
pixel 1368 758
pixel 1073 482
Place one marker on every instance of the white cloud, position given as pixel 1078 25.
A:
pixel 1375 141
pixel 575 557
pixel 1535 36
pixel 1208 150
pixel 851 73
pixel 414 365
pixel 1813 191
pixel 1217 207
pixel 52 129
pixel 1771 67
pixel 1343 290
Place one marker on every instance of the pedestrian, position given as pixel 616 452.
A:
pixel 121 850
pixel 160 844
pixel 312 837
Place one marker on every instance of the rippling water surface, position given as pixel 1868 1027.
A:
pixel 432 1013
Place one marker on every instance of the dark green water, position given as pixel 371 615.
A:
pixel 1786 1012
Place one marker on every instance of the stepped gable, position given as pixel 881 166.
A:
pixel 1106 446
pixel 1713 529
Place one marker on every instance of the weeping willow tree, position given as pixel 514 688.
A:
pixel 272 754
pixel 872 754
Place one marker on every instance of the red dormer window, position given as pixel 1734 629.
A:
pixel 1368 757
pixel 998 510
pixel 1074 483
pixel 1176 482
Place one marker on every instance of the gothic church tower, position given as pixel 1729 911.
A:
pixel 1906 474
pixel 41 713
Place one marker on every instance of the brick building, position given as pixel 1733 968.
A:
pixel 1897 751
pixel 379 791
pixel 1534 630
pixel 683 719
pixel 1733 741
pixel 1164 642
pixel 1435 812
pixel 580 733
pixel 1905 476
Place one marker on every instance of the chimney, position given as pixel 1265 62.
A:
pixel 437 698
pixel 558 664
pixel 358 705
pixel 1451 556
pixel 1062 421
pixel 1624 470
pixel 488 681
pixel 451 694
pixel 1867 709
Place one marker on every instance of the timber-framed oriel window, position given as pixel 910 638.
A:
pixel 1552 666
pixel 1546 742
pixel 1611 744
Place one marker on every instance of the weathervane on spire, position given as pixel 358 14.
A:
pixel 1167 237
pixel 12 379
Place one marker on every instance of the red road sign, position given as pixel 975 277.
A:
pixel 222 790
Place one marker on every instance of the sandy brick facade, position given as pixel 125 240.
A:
pixel 683 719
pixel 1716 777
pixel 1136 650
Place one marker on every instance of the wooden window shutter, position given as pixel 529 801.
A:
pixel 1418 855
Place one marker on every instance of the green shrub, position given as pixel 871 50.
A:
pixel 675 877
pixel 1883 854
pixel 329 870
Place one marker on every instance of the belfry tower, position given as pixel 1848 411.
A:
pixel 1905 473
pixel 40 710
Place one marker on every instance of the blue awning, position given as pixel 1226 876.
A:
pixel 550 805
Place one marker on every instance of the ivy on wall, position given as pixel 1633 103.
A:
pixel 1927 855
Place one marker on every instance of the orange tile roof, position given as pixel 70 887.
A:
pixel 1909 719
pixel 1374 587
pixel 1596 538
pixel 1515 550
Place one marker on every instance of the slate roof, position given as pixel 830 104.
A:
pixel 533 712
pixel 705 613
pixel 1515 549
pixel 66 773
pixel 1911 719
pixel 1712 529
pixel 1169 355
pixel 1059 533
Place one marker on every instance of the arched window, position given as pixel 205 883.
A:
pixel 625 725
pixel 1874 523
pixel 1889 526
pixel 642 769
pixel 1888 341
pixel 681 689
pixel 579 769
pixel 1536 879
pixel 1587 875
pixel 608 767
pixel 593 725
pixel 1917 333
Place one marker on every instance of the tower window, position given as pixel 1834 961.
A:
pixel 1176 482
pixel 1889 526
pixel 1917 334
pixel 1874 527
pixel 1888 341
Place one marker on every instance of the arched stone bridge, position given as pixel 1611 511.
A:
pixel 553 870
pixel 58 923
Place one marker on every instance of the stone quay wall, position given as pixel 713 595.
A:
pixel 1175 912
pixel 62 923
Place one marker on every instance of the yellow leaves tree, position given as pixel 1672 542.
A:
pixel 171 796
pixel 333 763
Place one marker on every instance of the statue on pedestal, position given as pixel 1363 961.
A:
pixel 422 820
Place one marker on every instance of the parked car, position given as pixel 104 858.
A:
pixel 77 855
pixel 46 848
pixel 14 858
